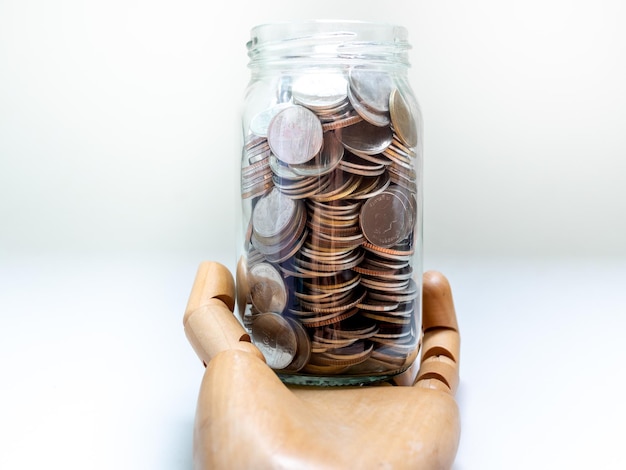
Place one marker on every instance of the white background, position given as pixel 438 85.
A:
pixel 118 174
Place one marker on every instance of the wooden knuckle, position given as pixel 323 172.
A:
pixel 441 368
pixel 442 342
pixel 433 384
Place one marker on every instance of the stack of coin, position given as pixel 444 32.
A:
pixel 331 178
pixel 369 93
pixel 278 226
pixel 256 177
pixel 333 354
pixel 324 93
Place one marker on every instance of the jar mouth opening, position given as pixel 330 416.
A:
pixel 328 40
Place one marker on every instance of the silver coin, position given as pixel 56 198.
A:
pixel 260 123
pixel 383 219
pixel 371 116
pixel 372 87
pixel 325 161
pixel 282 170
pixel 273 214
pixel 295 135
pixel 268 292
pixel 275 338
pixel 366 138
pixel 303 351
pixel 320 90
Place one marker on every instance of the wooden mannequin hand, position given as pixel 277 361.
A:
pixel 246 418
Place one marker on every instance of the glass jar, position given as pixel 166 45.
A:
pixel 329 277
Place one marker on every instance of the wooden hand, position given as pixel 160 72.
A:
pixel 247 418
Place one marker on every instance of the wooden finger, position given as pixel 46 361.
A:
pixel 441 342
pixel 213 328
pixel 213 281
pixel 209 322
pixel 438 306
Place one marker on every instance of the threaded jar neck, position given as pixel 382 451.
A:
pixel 332 43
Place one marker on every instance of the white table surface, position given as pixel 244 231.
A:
pixel 97 372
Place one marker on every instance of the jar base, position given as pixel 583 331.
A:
pixel 335 380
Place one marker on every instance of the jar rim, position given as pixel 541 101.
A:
pixel 327 25
pixel 328 39
pixel 296 29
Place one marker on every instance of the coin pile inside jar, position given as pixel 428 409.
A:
pixel 330 178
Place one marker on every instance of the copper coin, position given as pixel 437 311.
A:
pixel 377 305
pixel 328 318
pixel 378 316
pixel 386 285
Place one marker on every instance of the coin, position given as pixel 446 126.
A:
pixel 282 170
pixel 378 316
pixel 356 165
pixel 295 135
pixel 243 290
pixel 325 161
pixel 328 318
pixel 357 350
pixel 370 115
pixel 402 118
pixel 267 288
pixel 372 87
pixel 384 285
pixel 342 122
pixel 341 281
pixel 292 237
pixel 354 354
pixel 340 187
pixel 365 138
pixel 355 327
pixel 303 349
pixel 260 123
pixel 383 220
pixel 301 187
pixel 273 215
pixel 320 90
pixel 275 338
pixel 409 293
pixel 377 306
